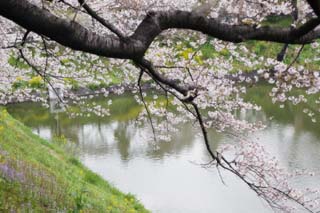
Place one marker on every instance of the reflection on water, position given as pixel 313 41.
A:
pixel 167 176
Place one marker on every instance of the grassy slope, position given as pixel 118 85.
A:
pixel 38 175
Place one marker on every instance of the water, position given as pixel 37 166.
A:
pixel 169 179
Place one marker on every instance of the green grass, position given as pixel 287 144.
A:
pixel 278 21
pixel 38 175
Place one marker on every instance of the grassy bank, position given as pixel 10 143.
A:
pixel 38 175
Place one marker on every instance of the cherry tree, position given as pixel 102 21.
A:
pixel 148 45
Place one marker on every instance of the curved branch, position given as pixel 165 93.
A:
pixel 315 4
pixel 156 75
pixel 66 32
pixel 77 37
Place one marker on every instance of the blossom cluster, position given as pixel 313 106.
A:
pixel 218 72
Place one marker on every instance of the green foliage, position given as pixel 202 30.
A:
pixel 17 62
pixel 71 81
pixel 278 21
pixel 93 86
pixel 44 178
pixel 19 83
pixel 36 82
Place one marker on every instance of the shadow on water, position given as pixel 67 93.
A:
pixel 100 135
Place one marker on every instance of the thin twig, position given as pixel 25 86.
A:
pixel 41 74
pixel 145 104
pixel 296 58
pixel 101 20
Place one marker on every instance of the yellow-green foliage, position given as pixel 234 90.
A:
pixel 36 82
pixel 38 175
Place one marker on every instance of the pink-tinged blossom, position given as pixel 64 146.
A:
pixel 216 80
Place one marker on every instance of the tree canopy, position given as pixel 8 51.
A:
pixel 201 61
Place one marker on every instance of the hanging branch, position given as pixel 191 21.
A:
pixel 145 104
pixel 41 74
pixel 75 36
pixel 220 161
pixel 295 59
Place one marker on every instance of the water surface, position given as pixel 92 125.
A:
pixel 166 177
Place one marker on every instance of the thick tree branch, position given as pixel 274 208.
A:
pixel 145 64
pixel 66 32
pixel 77 37
pixel 315 4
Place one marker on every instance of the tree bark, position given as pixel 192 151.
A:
pixel 77 37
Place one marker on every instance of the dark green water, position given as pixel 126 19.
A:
pixel 166 176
